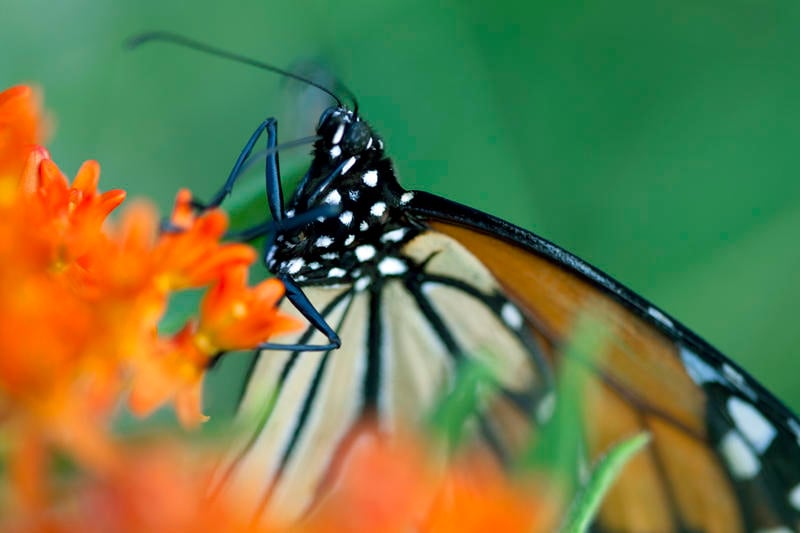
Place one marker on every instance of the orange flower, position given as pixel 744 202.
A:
pixel 161 490
pixel 396 485
pixel 20 129
pixel 191 255
pixel 234 316
pixel 81 300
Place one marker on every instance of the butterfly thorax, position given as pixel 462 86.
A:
pixel 360 240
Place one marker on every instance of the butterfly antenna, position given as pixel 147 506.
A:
pixel 180 40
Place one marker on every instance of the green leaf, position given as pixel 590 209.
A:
pixel 587 502
pixel 557 444
pixel 473 380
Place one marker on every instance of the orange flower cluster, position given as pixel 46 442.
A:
pixel 387 486
pixel 81 299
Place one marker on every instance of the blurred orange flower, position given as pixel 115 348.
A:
pixel 81 299
pixel 391 484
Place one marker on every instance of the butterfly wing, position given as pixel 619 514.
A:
pixel 724 455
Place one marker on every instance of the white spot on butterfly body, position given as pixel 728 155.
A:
pixel 406 197
pixel 751 423
pixel 335 152
pixel 294 265
pixel 380 144
pixel 349 240
pixel 337 137
pixel 511 316
pixel 369 144
pixel 377 209
pixel 336 272
pixel 333 198
pixel 290 212
pixel 741 460
pixel 661 317
pixel 392 266
pixel 348 165
pixel 365 252
pixel 323 241
pixel 794 497
pixel 346 218
pixel 778 529
pixel 370 178
pixel 395 235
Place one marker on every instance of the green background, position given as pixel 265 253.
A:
pixel 658 140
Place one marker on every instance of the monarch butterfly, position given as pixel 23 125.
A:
pixel 401 287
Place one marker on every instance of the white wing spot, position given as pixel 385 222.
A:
pixel 330 256
pixel 740 458
pixel 335 152
pixel 323 242
pixel 353 195
pixel 736 377
pixel 751 423
pixel 333 198
pixel 378 209
pixel 370 178
pixel 661 317
pixel 348 165
pixel 363 226
pixel 511 316
pixel 336 272
pixel 392 266
pixel 295 265
pixel 794 497
pixel 546 408
pixel 795 428
pixel 314 265
pixel 361 284
pixel 365 252
pixel 290 212
pixel 346 218
pixel 337 137
pixel 406 197
pixel 349 240
pixel 700 371
pixel 396 235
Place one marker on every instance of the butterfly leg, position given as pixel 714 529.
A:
pixel 291 223
pixel 307 309
pixel 270 125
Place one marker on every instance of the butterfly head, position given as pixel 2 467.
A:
pixel 350 173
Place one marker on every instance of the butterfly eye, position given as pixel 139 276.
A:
pixel 357 138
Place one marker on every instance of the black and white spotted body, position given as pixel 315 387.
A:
pixel 350 173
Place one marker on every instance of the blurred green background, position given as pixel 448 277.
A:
pixel 658 140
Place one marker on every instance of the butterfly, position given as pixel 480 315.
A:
pixel 401 288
